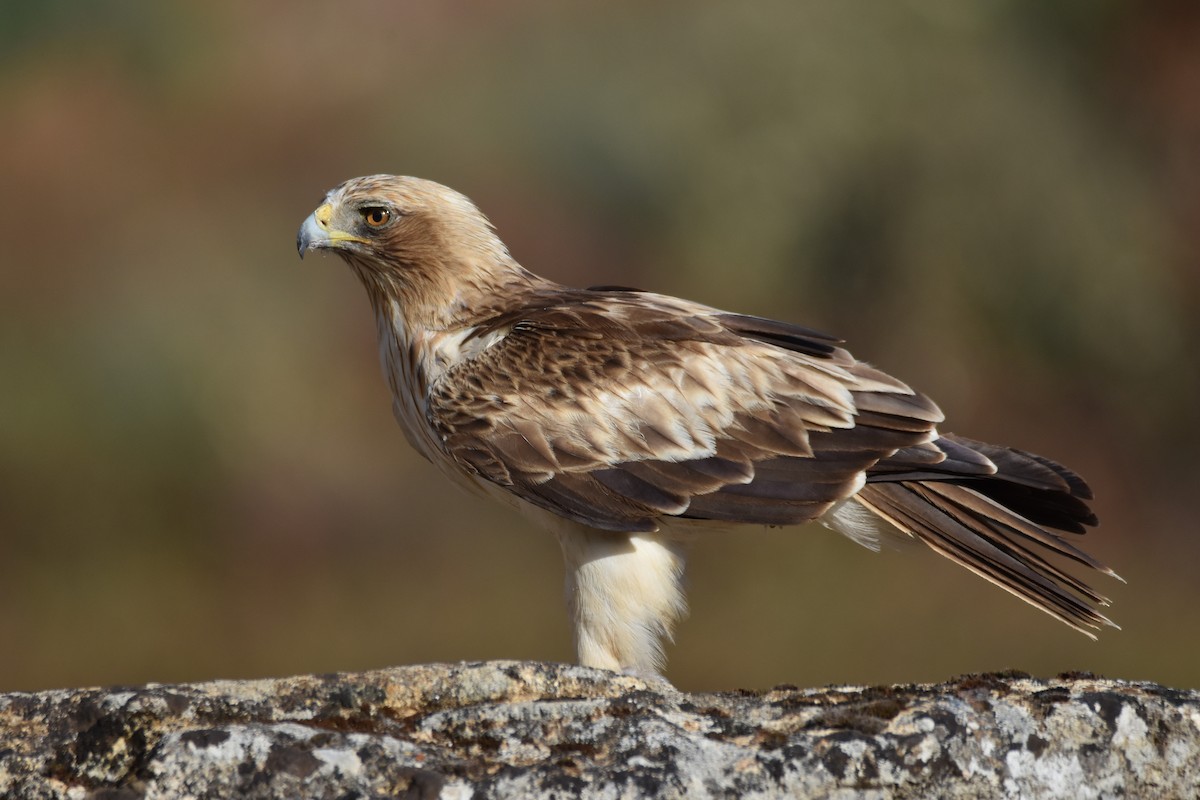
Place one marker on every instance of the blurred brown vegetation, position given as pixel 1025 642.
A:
pixel 199 473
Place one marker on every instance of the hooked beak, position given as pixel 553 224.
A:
pixel 316 234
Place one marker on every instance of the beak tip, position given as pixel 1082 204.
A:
pixel 314 234
pixel 302 242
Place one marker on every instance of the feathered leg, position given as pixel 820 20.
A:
pixel 624 596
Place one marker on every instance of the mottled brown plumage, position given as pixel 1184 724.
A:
pixel 625 419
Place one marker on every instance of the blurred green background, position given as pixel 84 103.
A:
pixel 199 473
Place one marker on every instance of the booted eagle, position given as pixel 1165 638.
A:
pixel 625 421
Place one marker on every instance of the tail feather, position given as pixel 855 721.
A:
pixel 981 509
pixel 1001 526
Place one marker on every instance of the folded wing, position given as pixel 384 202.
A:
pixel 615 409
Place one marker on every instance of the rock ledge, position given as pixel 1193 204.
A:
pixel 519 729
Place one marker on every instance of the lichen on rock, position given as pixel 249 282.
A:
pixel 518 729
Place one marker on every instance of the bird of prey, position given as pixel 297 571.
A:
pixel 625 421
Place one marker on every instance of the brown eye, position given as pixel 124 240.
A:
pixel 376 216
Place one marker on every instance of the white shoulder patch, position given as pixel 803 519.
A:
pixel 448 349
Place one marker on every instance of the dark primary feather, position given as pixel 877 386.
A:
pixel 781 334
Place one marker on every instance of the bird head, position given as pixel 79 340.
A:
pixel 391 220
pixel 416 241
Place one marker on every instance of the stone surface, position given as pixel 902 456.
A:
pixel 516 729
